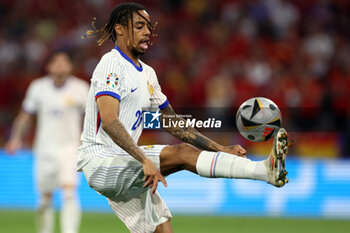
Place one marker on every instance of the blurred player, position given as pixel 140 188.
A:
pixel 58 100
pixel 122 86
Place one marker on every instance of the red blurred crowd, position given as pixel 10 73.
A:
pixel 206 53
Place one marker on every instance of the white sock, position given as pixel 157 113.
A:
pixel 70 213
pixel 221 164
pixel 46 216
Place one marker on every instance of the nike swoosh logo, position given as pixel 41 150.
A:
pixel 132 90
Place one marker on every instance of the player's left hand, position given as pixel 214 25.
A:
pixel 235 149
pixel 152 175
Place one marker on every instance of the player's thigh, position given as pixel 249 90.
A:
pixel 67 173
pixel 164 228
pixel 178 157
pixel 118 175
pixel 46 174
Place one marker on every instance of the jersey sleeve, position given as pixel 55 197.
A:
pixel 158 96
pixel 109 79
pixel 30 102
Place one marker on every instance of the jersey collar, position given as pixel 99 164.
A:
pixel 138 68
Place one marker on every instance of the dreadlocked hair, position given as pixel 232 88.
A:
pixel 121 14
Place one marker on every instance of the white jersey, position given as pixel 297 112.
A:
pixel 136 88
pixel 59 113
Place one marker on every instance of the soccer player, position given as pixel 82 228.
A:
pixel 58 100
pixel 122 86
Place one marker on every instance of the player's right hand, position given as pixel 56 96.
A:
pixel 12 146
pixel 152 175
pixel 235 149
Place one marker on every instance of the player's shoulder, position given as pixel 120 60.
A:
pixel 40 82
pixel 77 81
pixel 112 57
pixel 78 85
pixel 110 63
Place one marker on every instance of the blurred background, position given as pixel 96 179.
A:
pixel 207 55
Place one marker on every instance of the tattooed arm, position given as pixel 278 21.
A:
pixel 192 136
pixel 108 108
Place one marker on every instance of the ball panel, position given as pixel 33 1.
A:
pixel 256 108
pixel 251 137
pixel 248 123
pixel 269 135
pixel 245 106
pixel 276 122
pixel 272 107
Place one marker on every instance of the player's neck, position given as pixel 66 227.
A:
pixel 59 81
pixel 128 53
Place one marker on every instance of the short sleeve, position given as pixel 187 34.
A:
pixel 30 102
pixel 109 79
pixel 158 96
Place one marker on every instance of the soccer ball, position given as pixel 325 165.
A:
pixel 258 119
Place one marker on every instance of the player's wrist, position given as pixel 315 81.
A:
pixel 228 149
pixel 218 147
pixel 145 161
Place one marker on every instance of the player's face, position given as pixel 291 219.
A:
pixel 141 29
pixel 60 66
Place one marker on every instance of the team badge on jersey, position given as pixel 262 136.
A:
pixel 112 79
pixel 69 101
pixel 150 90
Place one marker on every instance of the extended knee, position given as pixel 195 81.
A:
pixel 69 194
pixel 45 200
pixel 187 155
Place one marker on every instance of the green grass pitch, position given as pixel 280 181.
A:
pixel 23 222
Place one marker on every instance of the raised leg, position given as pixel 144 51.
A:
pixel 221 164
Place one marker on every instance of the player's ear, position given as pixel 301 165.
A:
pixel 119 29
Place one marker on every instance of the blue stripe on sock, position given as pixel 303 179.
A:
pixel 216 159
